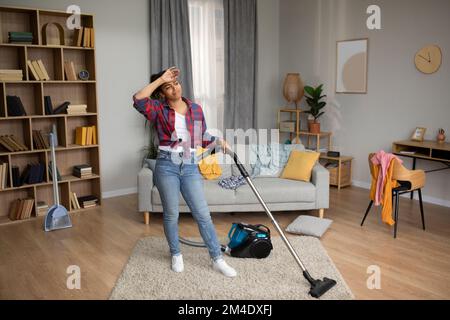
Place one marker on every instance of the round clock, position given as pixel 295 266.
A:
pixel 428 59
pixel 83 75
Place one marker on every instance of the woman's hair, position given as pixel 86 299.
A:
pixel 157 93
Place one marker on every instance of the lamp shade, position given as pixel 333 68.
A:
pixel 293 88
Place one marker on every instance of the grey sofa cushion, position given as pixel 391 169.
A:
pixel 277 190
pixel 310 226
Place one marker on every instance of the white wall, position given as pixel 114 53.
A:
pixel 399 97
pixel 268 83
pixel 123 64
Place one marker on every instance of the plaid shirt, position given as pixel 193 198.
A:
pixel 163 117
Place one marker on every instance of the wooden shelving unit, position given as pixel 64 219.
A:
pixel 32 92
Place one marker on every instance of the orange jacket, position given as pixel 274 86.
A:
pixel 389 183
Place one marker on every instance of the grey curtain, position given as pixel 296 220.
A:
pixel 170 43
pixel 240 64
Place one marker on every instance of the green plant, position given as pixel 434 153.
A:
pixel 313 98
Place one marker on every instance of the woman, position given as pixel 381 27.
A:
pixel 178 122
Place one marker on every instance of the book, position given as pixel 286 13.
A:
pixel 62 108
pixel 77 37
pixel 16 176
pixel 48 105
pixel 38 70
pixel 15 106
pixel 94 135
pixel 43 69
pixel 92 38
pixel 4 173
pixel 32 71
pixel 14 207
pixel 89 136
pixel 69 70
pixel 50 172
pixel 80 136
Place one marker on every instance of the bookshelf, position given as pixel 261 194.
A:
pixel 14 56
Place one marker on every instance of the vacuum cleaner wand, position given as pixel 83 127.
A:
pixel 318 287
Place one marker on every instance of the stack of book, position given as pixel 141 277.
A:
pixel 41 208
pixel 85 136
pixel 11 75
pixel 4 173
pixel 75 109
pixel 39 141
pixel 84 37
pixel 10 143
pixel 74 201
pixel 20 37
pixel 32 174
pixel 87 201
pixel 38 70
pixel 21 209
pixel 82 171
pixel 50 171
pixel 15 106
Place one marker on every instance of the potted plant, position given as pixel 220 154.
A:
pixel 313 98
pixel 151 151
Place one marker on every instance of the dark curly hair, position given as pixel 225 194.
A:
pixel 158 91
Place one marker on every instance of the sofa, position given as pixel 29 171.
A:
pixel 279 194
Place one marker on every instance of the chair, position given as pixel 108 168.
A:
pixel 409 180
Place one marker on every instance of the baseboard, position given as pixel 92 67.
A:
pixel 117 193
pixel 428 199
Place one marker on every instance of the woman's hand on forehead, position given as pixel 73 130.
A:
pixel 171 74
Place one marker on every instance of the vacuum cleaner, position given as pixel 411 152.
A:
pixel 318 287
pixel 246 241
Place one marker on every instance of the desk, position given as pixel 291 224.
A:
pixel 426 150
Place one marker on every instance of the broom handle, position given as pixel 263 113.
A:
pixel 54 175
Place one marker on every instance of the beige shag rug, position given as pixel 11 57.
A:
pixel 147 274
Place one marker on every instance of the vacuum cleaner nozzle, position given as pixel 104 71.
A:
pixel 319 287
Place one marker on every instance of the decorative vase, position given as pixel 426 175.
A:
pixel 314 127
pixel 293 88
pixel 441 138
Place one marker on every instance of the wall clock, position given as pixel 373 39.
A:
pixel 428 59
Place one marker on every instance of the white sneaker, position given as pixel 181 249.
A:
pixel 221 266
pixel 177 263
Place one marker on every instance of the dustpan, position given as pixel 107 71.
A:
pixel 57 216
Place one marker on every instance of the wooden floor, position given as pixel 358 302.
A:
pixel 33 264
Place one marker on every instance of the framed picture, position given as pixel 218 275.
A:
pixel 418 134
pixel 351 66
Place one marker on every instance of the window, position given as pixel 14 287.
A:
pixel 207 44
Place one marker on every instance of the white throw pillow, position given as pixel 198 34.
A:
pixel 310 226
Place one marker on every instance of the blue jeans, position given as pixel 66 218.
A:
pixel 175 173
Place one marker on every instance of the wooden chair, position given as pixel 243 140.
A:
pixel 409 180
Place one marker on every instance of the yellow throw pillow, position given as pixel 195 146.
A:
pixel 300 165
